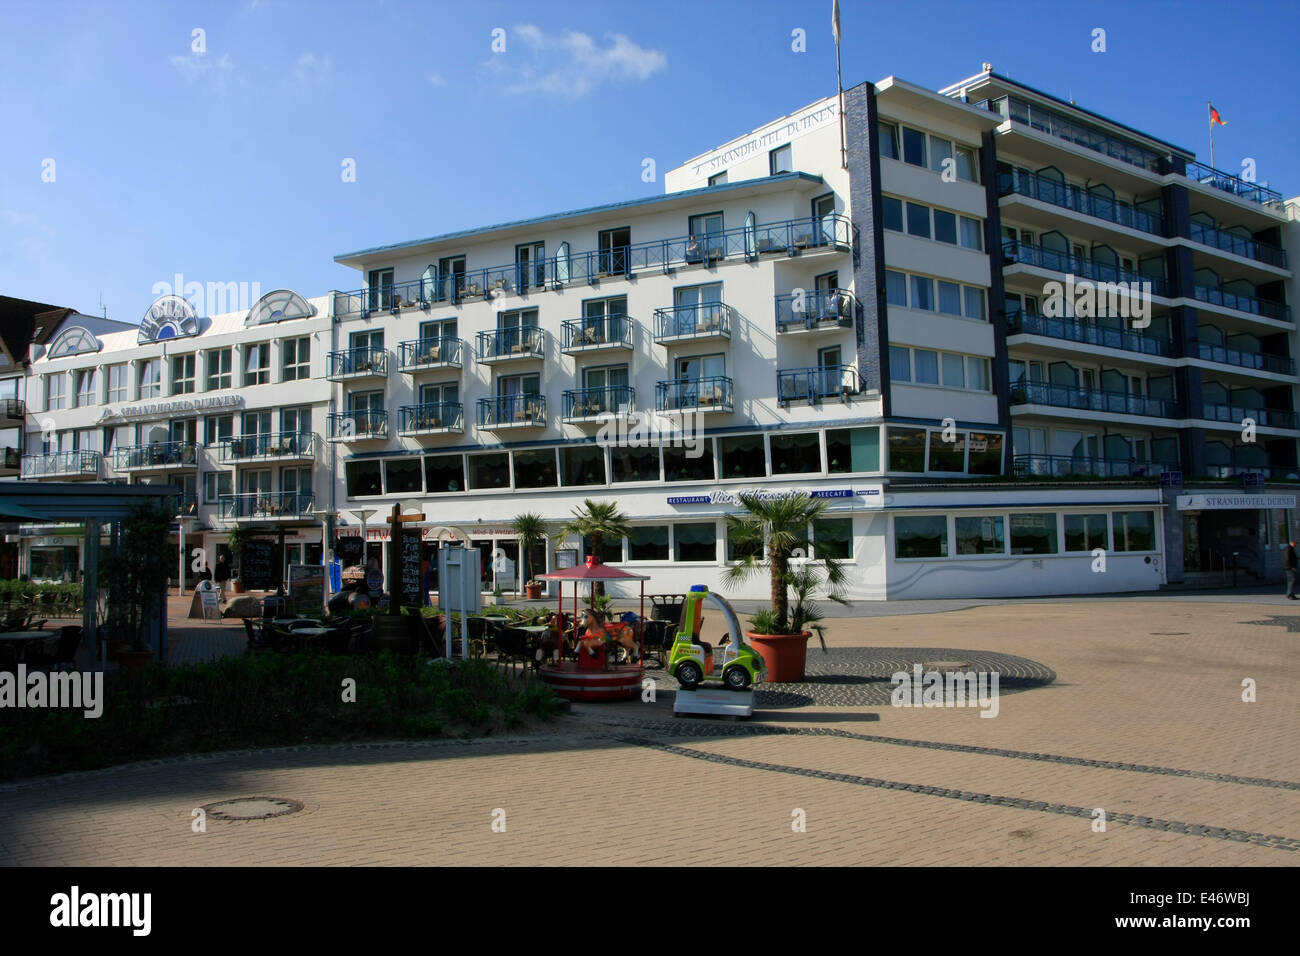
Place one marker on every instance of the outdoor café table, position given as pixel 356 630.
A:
pixel 26 637
pixel 310 632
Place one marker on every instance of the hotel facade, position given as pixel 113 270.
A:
pixel 1018 348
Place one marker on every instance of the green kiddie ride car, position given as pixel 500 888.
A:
pixel 691 660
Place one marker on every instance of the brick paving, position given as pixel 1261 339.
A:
pixel 1144 719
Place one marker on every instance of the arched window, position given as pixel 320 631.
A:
pixel 73 341
pixel 278 306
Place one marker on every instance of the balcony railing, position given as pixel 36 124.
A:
pixel 1228 183
pixel 1094 400
pixel 187 506
pixel 1014 251
pixel 816 384
pixel 164 454
pixel 1066 466
pixel 1236 414
pixel 433 416
pixel 1246 247
pixel 789 237
pixel 1073 330
pixel 512 410
pixel 13 409
pixel 592 402
pixel 708 320
pixel 358 424
pixel 266 505
pixel 1244 303
pixel 1024 183
pixel 833 308
pixel 1268 471
pixel 711 393
pixel 268 445
pixel 67 464
pixel 444 352
pixel 1260 361
pixel 525 341
pixel 357 363
pixel 596 333
pixel 1056 124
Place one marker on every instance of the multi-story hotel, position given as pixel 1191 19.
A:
pixel 998 333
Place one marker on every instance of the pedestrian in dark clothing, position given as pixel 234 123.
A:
pixel 222 575
pixel 1289 564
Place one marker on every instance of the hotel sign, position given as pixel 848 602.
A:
pixel 783 131
pixel 167 409
pixel 872 495
pixel 1233 502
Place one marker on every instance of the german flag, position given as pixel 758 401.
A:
pixel 1215 118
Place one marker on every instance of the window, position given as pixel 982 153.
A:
pixel 151 378
pixel 182 374
pixel 887 140
pixel 892 213
pixel 647 543
pixel 900 364
pixel 781 160
pixel 582 465
pixel 297 359
pixel 947 456
pixel 530 265
pixel 696 541
pixel 923 293
pixel 913 146
pixel 679 465
pixel 985 453
pixel 896 288
pixel 634 464
pixel 535 469
pixel 118 383
pixel 921 536
pixel 610 551
pixel 219 366
pixel 972 234
pixel 918 220
pixel 706 241
pixel 216 484
pixel 940 151
pixel 796 454
pixel 1134 530
pixel 379 289
pixel 967 164
pixel 718 179
pixel 742 456
pixel 490 470
pixel 945 227
pixel 449 278
pixel 257 363
pixel 87 387
pixel 403 476
pixel 833 538
pixel 954 371
pixel 444 473
pixel 949 298
pixel 363 478
pixel 218 428
pixel 56 395
pixel 296 421
pixel 925 366
pixel 1085 532
pixel 981 535
pixel 1033 533
pixel 614 249
pixel 973 297
pixel 907 449
pixel 852 449
pixel 977 374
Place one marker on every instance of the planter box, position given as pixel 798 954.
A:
pixel 784 654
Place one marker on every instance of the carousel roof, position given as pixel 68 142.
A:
pixel 593 570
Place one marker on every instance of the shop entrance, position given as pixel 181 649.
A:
pixel 1216 540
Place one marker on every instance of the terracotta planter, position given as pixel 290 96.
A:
pixel 533 591
pixel 134 660
pixel 236 586
pixel 784 655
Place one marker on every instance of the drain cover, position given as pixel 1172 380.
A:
pixel 252 808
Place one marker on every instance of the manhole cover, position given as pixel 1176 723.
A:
pixel 252 808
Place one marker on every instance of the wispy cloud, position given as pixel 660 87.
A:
pixel 571 63
pixel 197 68
pixel 313 70
pixel 437 80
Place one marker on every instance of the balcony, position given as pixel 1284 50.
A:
pixel 1021 253
pixel 816 384
pixel 1244 303
pixel 1066 466
pixel 393 298
pixel 599 334
pixel 1247 248
pixel 433 418
pixel 434 353
pixel 62 464
pixel 509 345
pixel 1235 185
pixel 187 506
pixel 1092 400
pixel 1258 361
pixel 1236 414
pixel 157 456
pixel 709 394
pixel 11 463
pixel 283 446
pixel 354 364
pixel 365 424
pixel 1291 472
pixel 1085 333
pixel 598 404
pixel 1021 182
pixel 831 310
pixel 13 411
pixel 512 411
pixel 1057 124
pixel 709 321
pixel 266 506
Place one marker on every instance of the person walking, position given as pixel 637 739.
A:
pixel 222 575
pixel 1289 564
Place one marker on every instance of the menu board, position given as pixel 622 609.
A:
pixel 258 565
pixel 412 586
pixel 307 587
pixel 349 551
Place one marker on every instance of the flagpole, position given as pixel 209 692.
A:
pixel 1211 107
pixel 839 82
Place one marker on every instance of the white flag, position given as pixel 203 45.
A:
pixel 835 21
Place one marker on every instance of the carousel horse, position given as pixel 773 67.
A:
pixel 597 633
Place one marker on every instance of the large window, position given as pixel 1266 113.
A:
pixel 679 465
pixel 610 552
pixel 907 449
pixel 947 455
pixel 582 465
pixel 796 454
pixel 985 453
pixel 1085 532
pixel 695 541
pixel 257 363
pixel 887 138
pixel 119 383
pixel 151 378
pixel 891 210
pixel 742 456
pixel 219 365
pixel 980 535
pixel 781 160
pixel 363 479
pixel 535 469
pixel 833 538
pixel 648 543
pixel 182 374
pixel 1134 530
pixel 218 428
pixel 852 449
pixel 403 476
pixel 1033 533
pixel 444 473
pixel 921 536
pixel 87 387
pixel 913 146
pixel 297 359
pixel 634 464
pixel 947 369
pixel 491 470
pixel 918 292
pixel 216 484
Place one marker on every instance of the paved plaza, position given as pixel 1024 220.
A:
pixel 1129 705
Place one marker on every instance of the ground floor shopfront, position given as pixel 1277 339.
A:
pixel 1224 536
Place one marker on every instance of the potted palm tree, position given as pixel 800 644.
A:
pixel 781 632
pixel 596 521
pixel 135 582
pixel 236 544
pixel 531 529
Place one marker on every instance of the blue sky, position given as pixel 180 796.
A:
pixel 226 166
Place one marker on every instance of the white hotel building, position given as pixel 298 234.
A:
pixel 873 332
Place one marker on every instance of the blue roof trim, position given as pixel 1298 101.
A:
pixel 590 210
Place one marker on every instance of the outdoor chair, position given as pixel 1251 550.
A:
pixel 512 646
pixel 258 639
pixel 56 653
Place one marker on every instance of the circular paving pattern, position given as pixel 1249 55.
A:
pixel 860 676
pixel 252 808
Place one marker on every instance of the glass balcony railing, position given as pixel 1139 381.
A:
pixel 705 320
pixel 592 402
pixel 1235 185
pixel 1086 333
pixel 357 363
pixel 1080 267
pixel 831 308
pixel 433 416
pixel 360 424
pixel 511 410
pixel 1236 414
pixel 268 445
pixel 444 352
pixel 1093 400
pixel 597 332
pixel 1067 466
pixel 1244 303
pixel 65 464
pixel 524 341
pixel 266 505
pixel 1022 182
pixel 1260 361
pixel 1056 124
pixel 165 454
pixel 13 410
pixel 816 384
pixel 710 393
pixel 1246 247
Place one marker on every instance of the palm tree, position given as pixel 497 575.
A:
pixel 597 520
pixel 782 524
pixel 531 529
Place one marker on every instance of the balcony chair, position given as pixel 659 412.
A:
pixel 431 353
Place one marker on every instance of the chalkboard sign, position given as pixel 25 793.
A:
pixel 349 551
pixel 412 585
pixel 307 587
pixel 258 567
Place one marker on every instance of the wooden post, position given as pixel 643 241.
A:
pixel 395 561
